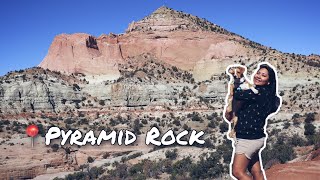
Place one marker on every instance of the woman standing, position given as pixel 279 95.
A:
pixel 250 137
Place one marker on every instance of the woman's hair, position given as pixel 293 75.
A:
pixel 275 101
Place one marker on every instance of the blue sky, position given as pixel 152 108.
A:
pixel 29 26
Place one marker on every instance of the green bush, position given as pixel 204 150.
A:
pixel 102 103
pixel 90 159
pixel 212 124
pixel 93 173
pixel 136 169
pixel 296 140
pixel 280 150
pixel 181 167
pixel 296 122
pixel 310 117
pixel 55 147
pixel 137 126
pixel 176 122
pixel 309 129
pixel 223 127
pixel 171 154
pixel 225 150
pixel 207 168
pixel 286 125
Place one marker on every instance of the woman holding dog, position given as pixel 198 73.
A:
pixel 250 136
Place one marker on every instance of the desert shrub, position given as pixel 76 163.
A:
pixel 286 125
pixel 212 124
pixel 94 172
pixel 106 155
pixel 225 150
pixel 186 127
pixel 132 156
pixel 142 170
pixel 310 117
pixel 176 122
pixel 76 176
pixel 207 168
pixel 281 93
pixel 63 101
pixel 195 116
pixel 113 122
pixel 144 121
pixel 181 167
pixel 171 154
pixel 309 129
pixel 223 127
pixel 55 147
pixel 280 150
pixel 296 122
pixel 81 114
pixel 41 130
pixel 83 121
pixel 76 87
pixel 136 169
pixel 136 126
pixel 69 121
pixel 296 140
pixel 174 68
pixel 102 103
pixel 314 140
pixel 90 159
pixel 274 132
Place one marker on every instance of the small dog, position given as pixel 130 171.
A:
pixel 240 82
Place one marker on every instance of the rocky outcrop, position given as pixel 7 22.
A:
pixel 22 173
pixel 27 97
pixel 36 90
pixel 82 53
pixel 179 39
pixel 174 37
pixel 295 171
pixel 129 95
pixel 304 167
pixel 167 19
pixel 42 91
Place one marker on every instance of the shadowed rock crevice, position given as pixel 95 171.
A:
pixel 91 42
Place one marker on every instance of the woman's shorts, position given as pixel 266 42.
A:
pixel 248 147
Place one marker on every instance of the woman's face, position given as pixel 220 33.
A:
pixel 261 77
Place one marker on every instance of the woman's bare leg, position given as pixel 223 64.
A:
pixel 255 168
pixel 239 167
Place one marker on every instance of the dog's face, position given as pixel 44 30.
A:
pixel 237 71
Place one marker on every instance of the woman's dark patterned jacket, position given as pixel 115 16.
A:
pixel 253 113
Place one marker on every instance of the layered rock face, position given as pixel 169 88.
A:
pixel 37 90
pixel 166 19
pixel 180 39
pixel 82 53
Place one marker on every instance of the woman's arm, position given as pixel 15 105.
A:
pixel 245 95
pixel 250 95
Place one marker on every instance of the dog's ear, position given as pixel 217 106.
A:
pixel 231 70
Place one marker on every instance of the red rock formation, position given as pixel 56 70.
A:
pixel 179 39
pixel 70 54
pixel 294 171
pixel 309 169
